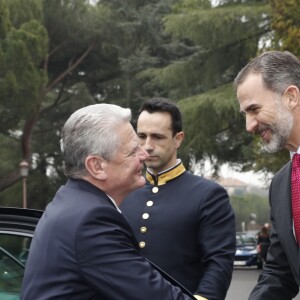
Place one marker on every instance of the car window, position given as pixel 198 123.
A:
pixel 16 245
pixel 245 239
pixel 11 275
pixel 13 255
pixel 239 240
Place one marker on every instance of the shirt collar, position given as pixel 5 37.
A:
pixel 292 153
pixel 114 203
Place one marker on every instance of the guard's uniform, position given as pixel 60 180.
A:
pixel 185 224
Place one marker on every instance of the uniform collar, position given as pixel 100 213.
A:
pixel 165 176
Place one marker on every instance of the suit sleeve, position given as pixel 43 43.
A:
pixel 276 282
pixel 110 264
pixel 216 237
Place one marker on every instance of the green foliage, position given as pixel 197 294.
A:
pixel 270 163
pixel 22 79
pixel 21 12
pixel 57 56
pixel 40 89
pixel 222 40
pixel 9 145
pixel 286 25
pixel 188 5
pixel 142 45
pixel 216 27
pixel 214 128
pixel 4 19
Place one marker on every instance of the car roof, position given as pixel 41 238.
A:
pixel 19 219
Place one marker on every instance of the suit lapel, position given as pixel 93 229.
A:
pixel 284 219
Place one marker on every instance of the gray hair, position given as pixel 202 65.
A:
pixel 91 131
pixel 278 69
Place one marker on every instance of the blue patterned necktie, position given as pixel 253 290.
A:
pixel 296 194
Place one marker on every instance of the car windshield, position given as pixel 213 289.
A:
pixel 245 239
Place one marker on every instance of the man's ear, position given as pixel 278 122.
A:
pixel 96 166
pixel 179 137
pixel 292 97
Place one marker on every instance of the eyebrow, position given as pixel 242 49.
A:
pixel 249 108
pixel 151 134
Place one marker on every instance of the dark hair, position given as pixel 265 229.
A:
pixel 279 69
pixel 264 231
pixel 164 105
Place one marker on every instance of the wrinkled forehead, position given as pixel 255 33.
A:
pixel 128 138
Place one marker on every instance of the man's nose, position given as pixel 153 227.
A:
pixel 143 154
pixel 251 123
pixel 147 145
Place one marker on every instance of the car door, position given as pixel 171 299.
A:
pixel 16 230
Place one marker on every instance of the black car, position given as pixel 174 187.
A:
pixel 16 230
pixel 247 252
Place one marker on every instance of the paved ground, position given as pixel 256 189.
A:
pixel 243 281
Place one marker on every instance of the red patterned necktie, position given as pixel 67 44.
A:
pixel 296 194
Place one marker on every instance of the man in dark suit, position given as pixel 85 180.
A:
pixel 83 248
pixel 268 93
pixel 183 222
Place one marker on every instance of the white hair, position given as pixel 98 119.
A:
pixel 91 130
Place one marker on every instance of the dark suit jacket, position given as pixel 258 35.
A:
pixel 279 279
pixel 83 248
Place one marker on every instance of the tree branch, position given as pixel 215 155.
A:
pixel 68 70
pixel 9 180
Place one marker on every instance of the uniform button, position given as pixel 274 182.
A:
pixel 142 244
pixel 143 229
pixel 149 203
pixel 145 216
pixel 155 189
